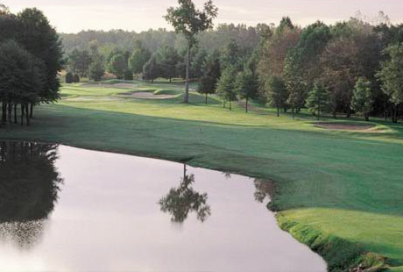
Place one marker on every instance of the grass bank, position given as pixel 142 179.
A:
pixel 338 191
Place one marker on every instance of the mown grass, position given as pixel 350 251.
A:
pixel 338 191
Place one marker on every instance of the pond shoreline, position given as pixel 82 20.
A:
pixel 324 244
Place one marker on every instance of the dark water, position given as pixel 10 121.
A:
pixel 67 209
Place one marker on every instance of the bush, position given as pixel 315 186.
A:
pixel 69 77
pixel 76 78
pixel 128 75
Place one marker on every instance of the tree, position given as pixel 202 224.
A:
pixel 226 86
pixel 340 69
pixel 151 69
pixel 128 75
pixel 247 86
pixel 207 85
pixel 76 78
pixel 276 93
pixel 139 58
pixel 80 62
pixel 318 100
pixel 43 42
pixel 199 64
pixel 231 56
pixel 391 76
pixel 189 21
pixel 118 65
pixel 362 100
pixel 97 69
pixel 69 77
pixel 167 58
pixel 22 79
pixel 293 80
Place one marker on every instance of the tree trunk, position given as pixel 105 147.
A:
pixel 206 98
pixel 22 114
pixel 186 98
pixel 10 112
pixel 31 112
pixel 4 113
pixel 27 113
pixel 278 112
pixel 230 105
pixel 293 112
pixel 15 113
pixel 246 105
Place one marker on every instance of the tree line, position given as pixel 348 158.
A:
pixel 349 67
pixel 30 58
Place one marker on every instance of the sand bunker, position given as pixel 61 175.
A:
pixel 149 95
pixel 344 126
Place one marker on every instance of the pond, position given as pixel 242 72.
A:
pixel 68 209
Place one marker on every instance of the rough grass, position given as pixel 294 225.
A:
pixel 338 191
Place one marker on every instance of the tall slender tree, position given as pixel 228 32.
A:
pixel 189 21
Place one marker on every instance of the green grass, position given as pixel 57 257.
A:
pixel 340 192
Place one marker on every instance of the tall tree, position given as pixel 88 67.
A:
pixel 97 68
pixel 276 93
pixel 391 76
pixel 80 62
pixel 151 70
pixel 363 98
pixel 318 100
pixel 139 57
pixel 167 58
pixel 294 82
pixel 118 65
pixel 226 86
pixel 188 20
pixel 42 41
pixel 247 86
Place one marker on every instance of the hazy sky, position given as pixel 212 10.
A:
pixel 139 15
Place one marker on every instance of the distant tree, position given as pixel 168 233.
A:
pixel 76 78
pixel 199 64
pixel 80 62
pixel 285 23
pixel 362 100
pixel 318 100
pixel 207 85
pixel 118 65
pixel 151 69
pixel 276 93
pixel 274 50
pixel 247 86
pixel 97 69
pixel 188 20
pixel 226 86
pixel 340 70
pixel 139 58
pixel 231 56
pixel 391 76
pixel 293 79
pixel 168 58
pixel 128 75
pixel 69 77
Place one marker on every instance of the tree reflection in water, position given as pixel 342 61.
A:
pixel 29 185
pixel 264 189
pixel 184 199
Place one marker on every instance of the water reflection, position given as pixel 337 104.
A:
pixel 184 199
pixel 29 184
pixel 264 190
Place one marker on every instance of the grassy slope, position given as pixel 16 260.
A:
pixel 340 189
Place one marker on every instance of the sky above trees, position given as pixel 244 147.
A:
pixel 138 15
